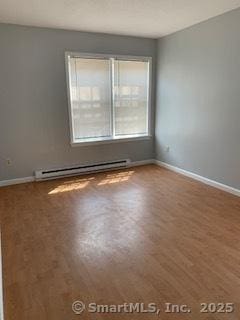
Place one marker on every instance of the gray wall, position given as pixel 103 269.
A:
pixel 34 127
pixel 198 99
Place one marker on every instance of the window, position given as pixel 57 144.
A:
pixel 108 97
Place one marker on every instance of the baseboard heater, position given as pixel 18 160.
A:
pixel 80 169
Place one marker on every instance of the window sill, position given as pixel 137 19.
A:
pixel 109 140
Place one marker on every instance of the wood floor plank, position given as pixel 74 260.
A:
pixel 141 234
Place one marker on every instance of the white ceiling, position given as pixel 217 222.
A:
pixel 146 18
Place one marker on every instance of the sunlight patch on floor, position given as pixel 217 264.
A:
pixel 116 177
pixel 84 182
pixel 71 185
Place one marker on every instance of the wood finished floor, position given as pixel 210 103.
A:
pixel 139 235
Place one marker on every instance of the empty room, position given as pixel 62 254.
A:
pixel 120 159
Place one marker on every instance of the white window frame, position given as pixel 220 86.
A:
pixel 110 139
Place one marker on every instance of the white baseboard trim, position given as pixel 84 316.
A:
pixel 4 183
pixel 192 175
pixel 141 162
pixel 195 176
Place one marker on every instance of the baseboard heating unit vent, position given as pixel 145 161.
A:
pixel 80 169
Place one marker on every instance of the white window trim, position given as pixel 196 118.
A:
pixel 96 141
